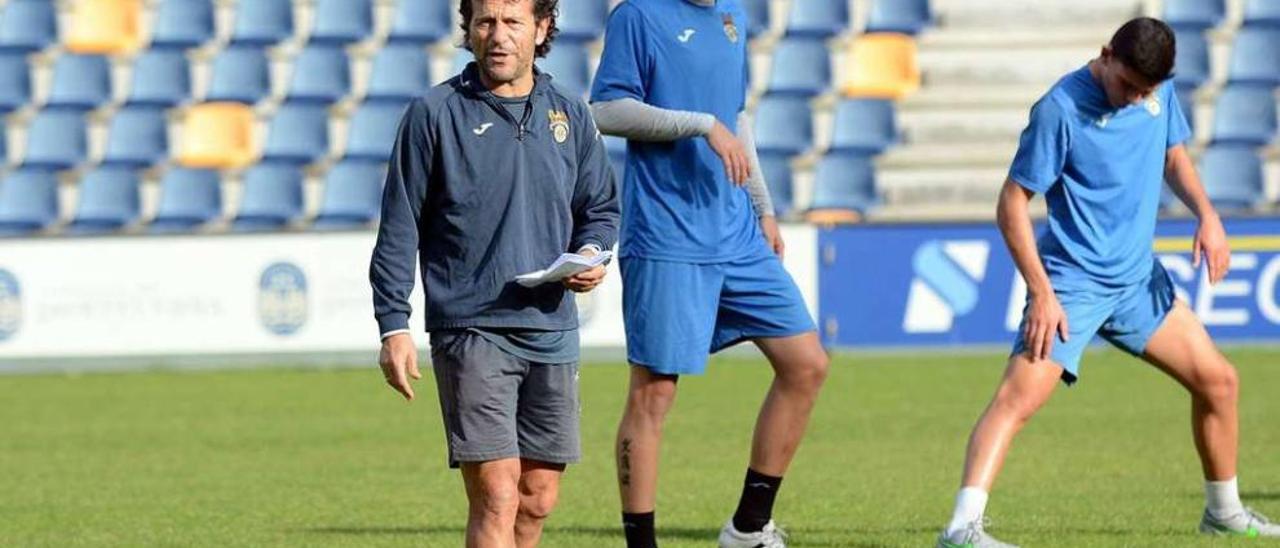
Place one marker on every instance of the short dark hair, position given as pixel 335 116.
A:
pixel 542 9
pixel 1146 46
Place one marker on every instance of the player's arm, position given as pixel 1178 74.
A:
pixel 1211 238
pixel 595 204
pixel 634 120
pixel 758 188
pixel 395 253
pixel 1045 316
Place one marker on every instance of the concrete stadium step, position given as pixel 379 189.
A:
pixel 949 155
pixel 1033 64
pixel 992 95
pixel 962 125
pixel 1003 13
pixel 965 187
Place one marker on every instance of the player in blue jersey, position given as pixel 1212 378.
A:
pixel 699 247
pixel 1098 146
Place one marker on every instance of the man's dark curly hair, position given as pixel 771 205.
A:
pixel 542 9
pixel 1146 46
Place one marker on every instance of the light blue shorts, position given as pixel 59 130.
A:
pixel 1126 318
pixel 677 313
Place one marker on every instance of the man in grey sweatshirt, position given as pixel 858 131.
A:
pixel 496 173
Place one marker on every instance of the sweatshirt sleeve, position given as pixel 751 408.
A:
pixel 394 261
pixel 595 197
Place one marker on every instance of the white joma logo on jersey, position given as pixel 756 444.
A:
pixel 483 128
pixel 686 35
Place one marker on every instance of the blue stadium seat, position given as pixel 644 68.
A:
pixel 162 78
pixel 461 58
pixel 263 22
pixel 419 22
pixel 1245 115
pixel 321 73
pixel 568 65
pixel 80 82
pixel 28 25
pixel 783 124
pixel 240 74
pixel 758 17
pixel 15 81
pixel 299 134
pixel 817 18
pixel 352 194
pixel 56 140
pixel 342 21
pixel 400 72
pixel 905 16
pixel 617 148
pixel 801 66
pixel 272 197
pixel 1194 14
pixel 582 20
pixel 1191 63
pixel 109 200
pixel 1255 57
pixel 28 202
pixel 188 199
pixel 138 137
pixel 844 181
pixel 1187 100
pixel 1232 176
pixel 1262 12
pixel 182 24
pixel 866 126
pixel 372 132
pixel 777 175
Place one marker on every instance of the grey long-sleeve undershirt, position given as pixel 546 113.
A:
pixel 642 122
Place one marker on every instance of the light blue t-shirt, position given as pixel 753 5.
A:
pixel 677 201
pixel 1101 170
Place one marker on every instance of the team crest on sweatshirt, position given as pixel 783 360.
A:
pixel 730 28
pixel 559 125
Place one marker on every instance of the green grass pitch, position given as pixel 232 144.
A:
pixel 333 458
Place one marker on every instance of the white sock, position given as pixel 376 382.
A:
pixel 1222 498
pixel 971 502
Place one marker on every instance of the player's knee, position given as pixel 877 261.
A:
pixel 808 374
pixel 496 500
pixel 1222 385
pixel 1015 405
pixel 653 400
pixel 537 504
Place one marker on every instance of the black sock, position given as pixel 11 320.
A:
pixel 755 508
pixel 639 530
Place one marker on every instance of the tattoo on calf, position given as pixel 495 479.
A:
pixel 624 463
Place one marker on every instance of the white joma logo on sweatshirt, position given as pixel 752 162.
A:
pixel 483 128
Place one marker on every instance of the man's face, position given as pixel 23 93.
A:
pixel 504 35
pixel 1124 86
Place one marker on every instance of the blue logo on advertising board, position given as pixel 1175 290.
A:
pixel 282 298
pixel 10 305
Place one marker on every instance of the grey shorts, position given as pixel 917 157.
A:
pixel 496 405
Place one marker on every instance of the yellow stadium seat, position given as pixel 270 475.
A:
pixel 104 27
pixel 831 217
pixel 881 65
pixel 218 136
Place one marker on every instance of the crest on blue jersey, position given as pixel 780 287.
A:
pixel 282 298
pixel 730 28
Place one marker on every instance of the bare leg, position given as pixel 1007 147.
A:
pixel 539 490
pixel 800 366
pixel 639 435
pixel 493 495
pixel 1026 387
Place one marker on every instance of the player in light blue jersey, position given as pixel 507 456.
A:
pixel 699 247
pixel 1098 146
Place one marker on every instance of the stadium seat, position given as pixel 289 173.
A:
pixel 400 72
pixel 801 66
pixel 1191 62
pixel 904 16
pixel 352 194
pixel 15 81
pixel 188 198
pixel 582 20
pixel 568 65
pixel 419 22
pixel 80 82
pixel 263 22
pixel 182 24
pixel 617 148
pixel 783 124
pixel 817 18
pixel 109 200
pixel 1194 14
pixel 1232 176
pixel 1245 115
pixel 867 126
pixel 758 17
pixel 1187 100
pixel 882 65
pixel 28 25
pixel 1255 57
pixel 218 136
pixel 844 182
pixel 104 27
pixel 777 175
pixel 342 21
pixel 272 197
pixel 161 77
pixel 299 134
pixel 241 74
pixel 56 139
pixel 28 202
pixel 138 137
pixel 372 132
pixel 320 74
pixel 1262 12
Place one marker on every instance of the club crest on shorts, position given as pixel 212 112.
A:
pixel 559 125
pixel 730 28
pixel 1153 105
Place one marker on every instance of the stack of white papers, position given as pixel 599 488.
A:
pixel 564 266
